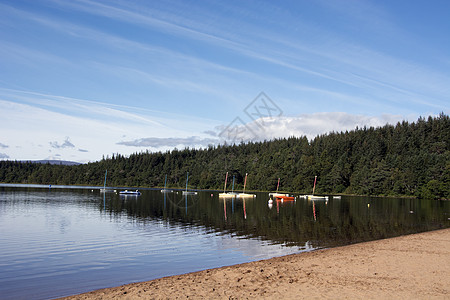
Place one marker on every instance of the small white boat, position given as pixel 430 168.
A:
pixel 127 192
pixel 186 192
pixel 277 195
pixel 225 194
pixel 164 190
pixel 228 195
pixel 312 197
pixel 336 197
pixel 244 195
pixel 107 191
pixel 189 193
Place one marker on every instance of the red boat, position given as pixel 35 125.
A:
pixel 280 197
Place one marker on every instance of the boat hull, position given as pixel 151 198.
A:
pixel 244 195
pixel 130 193
pixel 285 198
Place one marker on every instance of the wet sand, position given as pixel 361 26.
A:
pixel 409 267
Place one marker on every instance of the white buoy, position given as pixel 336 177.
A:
pixel 270 201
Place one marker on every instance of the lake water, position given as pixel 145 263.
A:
pixel 62 241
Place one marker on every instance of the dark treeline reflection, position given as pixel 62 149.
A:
pixel 314 223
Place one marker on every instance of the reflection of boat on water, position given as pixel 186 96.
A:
pixel 131 193
pixel 233 200
pixel 186 192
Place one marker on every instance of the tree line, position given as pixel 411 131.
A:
pixel 408 159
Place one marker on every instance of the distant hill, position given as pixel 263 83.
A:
pixel 55 162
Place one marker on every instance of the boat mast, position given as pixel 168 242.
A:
pixel 314 188
pixel 187 178
pixel 232 187
pixel 245 181
pixel 278 184
pixel 165 182
pixel 104 184
pixel 225 186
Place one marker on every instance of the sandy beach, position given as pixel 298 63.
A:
pixel 408 267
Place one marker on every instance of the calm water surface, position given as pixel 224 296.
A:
pixel 57 242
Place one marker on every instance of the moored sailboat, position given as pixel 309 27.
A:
pixel 313 197
pixel 186 192
pixel 164 190
pixel 243 194
pixel 225 194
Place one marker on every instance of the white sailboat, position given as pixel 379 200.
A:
pixel 130 193
pixel 225 194
pixel 243 194
pixel 186 192
pixel 104 190
pixel 312 197
pixel 164 190
pixel 232 193
pixel 276 194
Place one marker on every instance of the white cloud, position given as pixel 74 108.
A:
pixel 153 142
pixel 309 125
pixel 65 144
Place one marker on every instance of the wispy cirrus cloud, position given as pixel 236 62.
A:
pixel 374 74
pixel 396 79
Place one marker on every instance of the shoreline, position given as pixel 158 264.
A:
pixel 414 266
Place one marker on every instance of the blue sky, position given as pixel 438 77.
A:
pixel 81 79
